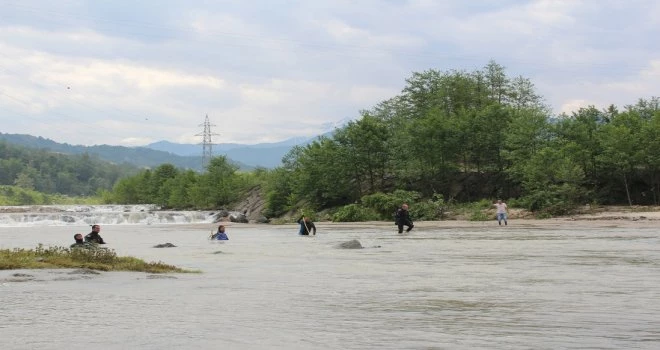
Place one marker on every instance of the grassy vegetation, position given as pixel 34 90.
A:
pixel 14 195
pixel 64 258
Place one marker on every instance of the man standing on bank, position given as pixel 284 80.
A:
pixel 501 212
pixel 402 218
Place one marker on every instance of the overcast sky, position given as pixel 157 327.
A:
pixel 134 72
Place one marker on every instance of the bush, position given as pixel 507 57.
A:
pixel 555 200
pixel 431 209
pixel 384 204
pixel 381 206
pixel 478 215
pixel 483 204
pixel 354 213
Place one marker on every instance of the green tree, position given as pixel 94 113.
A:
pixel 364 146
pixel 218 186
pixel 25 179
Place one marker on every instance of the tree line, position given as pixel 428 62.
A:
pixel 54 173
pixel 448 137
pixel 171 187
pixel 465 136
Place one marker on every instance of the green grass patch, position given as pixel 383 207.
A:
pixel 64 258
pixel 14 195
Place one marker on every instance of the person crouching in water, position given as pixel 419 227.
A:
pixel 306 226
pixel 80 243
pixel 94 236
pixel 79 240
pixel 402 218
pixel 220 235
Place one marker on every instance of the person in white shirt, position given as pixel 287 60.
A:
pixel 501 212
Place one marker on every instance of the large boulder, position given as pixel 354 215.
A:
pixel 220 216
pixel 238 217
pixel 354 244
pixel 261 220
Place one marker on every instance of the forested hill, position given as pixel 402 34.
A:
pixel 137 156
pixel 49 172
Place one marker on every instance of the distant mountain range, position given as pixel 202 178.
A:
pixel 267 155
pixel 187 156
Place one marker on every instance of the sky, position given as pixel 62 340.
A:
pixel 129 73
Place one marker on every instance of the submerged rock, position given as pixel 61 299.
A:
pixel 72 278
pixel 160 277
pixel 84 272
pixel 354 244
pixel 165 245
pixel 19 279
pixel 25 275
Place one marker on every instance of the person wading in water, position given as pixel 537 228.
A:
pixel 306 226
pixel 94 236
pixel 402 218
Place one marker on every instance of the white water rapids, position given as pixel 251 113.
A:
pixel 76 215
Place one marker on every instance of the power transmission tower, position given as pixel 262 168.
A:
pixel 207 143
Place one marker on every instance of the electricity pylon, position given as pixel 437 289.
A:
pixel 207 142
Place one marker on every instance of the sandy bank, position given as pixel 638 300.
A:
pixel 601 217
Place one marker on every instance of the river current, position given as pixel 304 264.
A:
pixel 476 286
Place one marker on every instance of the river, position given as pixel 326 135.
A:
pixel 476 286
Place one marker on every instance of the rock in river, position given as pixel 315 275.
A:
pixel 165 245
pixel 354 244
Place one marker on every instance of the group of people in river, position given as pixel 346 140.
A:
pixel 401 219
pixel 90 240
pixel 307 228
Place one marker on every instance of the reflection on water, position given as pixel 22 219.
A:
pixel 267 288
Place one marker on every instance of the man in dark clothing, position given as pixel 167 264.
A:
pixel 80 243
pixel 79 240
pixel 402 218
pixel 94 237
pixel 306 226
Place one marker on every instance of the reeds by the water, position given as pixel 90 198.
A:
pixel 96 258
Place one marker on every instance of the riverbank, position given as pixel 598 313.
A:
pixel 601 216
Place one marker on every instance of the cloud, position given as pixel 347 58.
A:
pixel 366 95
pixel 102 72
pixel 618 92
pixel 653 72
pixel 574 105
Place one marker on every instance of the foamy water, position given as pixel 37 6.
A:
pixel 485 287
pixel 75 215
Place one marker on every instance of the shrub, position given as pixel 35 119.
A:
pixel 384 204
pixel 431 209
pixel 354 213
pixel 478 215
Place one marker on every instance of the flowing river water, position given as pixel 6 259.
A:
pixel 475 286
